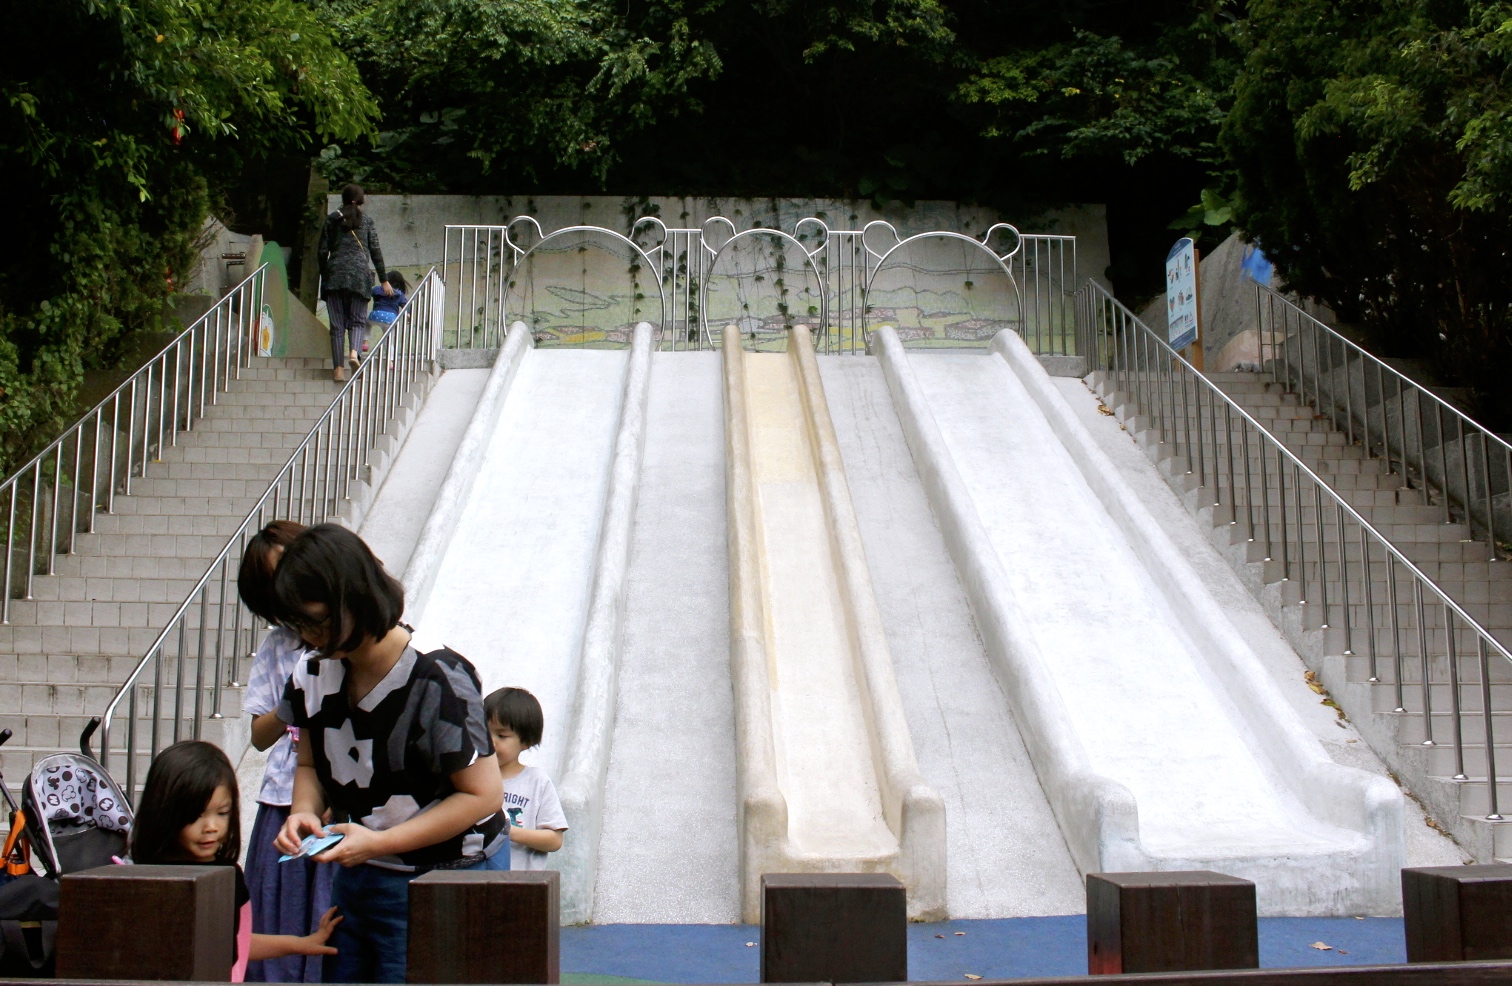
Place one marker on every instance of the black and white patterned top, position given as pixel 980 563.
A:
pixel 392 755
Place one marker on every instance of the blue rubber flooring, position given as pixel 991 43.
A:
pixel 1005 949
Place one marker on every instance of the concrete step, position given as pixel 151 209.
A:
pixel 118 526
pixel 73 588
pixel 122 566
pixel 65 668
pixel 57 613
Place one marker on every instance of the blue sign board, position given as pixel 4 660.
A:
pixel 1181 294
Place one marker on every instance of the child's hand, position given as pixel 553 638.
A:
pixel 315 942
pixel 360 845
pixel 295 828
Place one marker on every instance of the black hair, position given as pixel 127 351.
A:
pixel 328 564
pixel 396 281
pixel 352 200
pixel 254 580
pixel 180 783
pixel 519 710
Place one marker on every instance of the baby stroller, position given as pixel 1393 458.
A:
pixel 72 817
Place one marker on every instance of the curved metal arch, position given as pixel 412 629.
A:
pixel 661 294
pixel 1018 296
pixel 808 258
pixel 1018 240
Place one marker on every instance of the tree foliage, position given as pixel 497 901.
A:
pixel 118 135
pixel 1370 142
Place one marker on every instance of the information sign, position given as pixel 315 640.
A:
pixel 1181 294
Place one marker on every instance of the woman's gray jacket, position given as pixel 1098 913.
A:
pixel 349 256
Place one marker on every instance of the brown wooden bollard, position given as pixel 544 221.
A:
pixel 485 926
pixel 833 927
pixel 1457 913
pixel 1170 922
pixel 147 922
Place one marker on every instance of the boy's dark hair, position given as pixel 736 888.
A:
pixel 179 785
pixel 396 281
pixel 329 564
pixel 519 710
pixel 254 581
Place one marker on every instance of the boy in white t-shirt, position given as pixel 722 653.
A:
pixel 536 822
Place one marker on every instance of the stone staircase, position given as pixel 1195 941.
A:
pixel 1414 520
pixel 67 650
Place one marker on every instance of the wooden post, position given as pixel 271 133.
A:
pixel 485 926
pixel 833 927
pixel 1170 922
pixel 147 922
pixel 1457 913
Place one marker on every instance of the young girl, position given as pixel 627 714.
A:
pixel 287 898
pixel 392 741
pixel 536 821
pixel 189 814
pixel 386 307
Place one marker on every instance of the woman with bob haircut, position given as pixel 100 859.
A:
pixel 398 749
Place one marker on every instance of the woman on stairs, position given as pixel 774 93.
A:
pixel 349 255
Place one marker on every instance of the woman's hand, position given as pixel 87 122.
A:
pixel 388 291
pixel 360 845
pixel 315 942
pixel 298 825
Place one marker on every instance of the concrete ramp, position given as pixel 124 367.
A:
pixel 827 777
pixel 1157 736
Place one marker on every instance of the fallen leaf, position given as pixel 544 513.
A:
pixel 750 944
pixel 939 936
pixel 1322 947
pixel 972 976
pixel 1342 952
pixel 1105 409
pixel 960 934
pixel 1493 715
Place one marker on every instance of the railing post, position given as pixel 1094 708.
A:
pixel 470 926
pixel 1170 922
pixel 1457 913
pixel 833 927
pixel 147 923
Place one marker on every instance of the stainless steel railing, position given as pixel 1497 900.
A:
pixel 200 650
pixel 1307 530
pixel 483 264
pixel 1426 440
pixel 54 497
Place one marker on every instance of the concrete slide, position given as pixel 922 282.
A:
pixel 827 777
pixel 521 566
pixel 1158 739
pixel 1006 855
pixel 672 759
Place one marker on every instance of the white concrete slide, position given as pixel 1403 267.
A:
pixel 827 776
pixel 529 583
pixel 1158 738
pixel 581 785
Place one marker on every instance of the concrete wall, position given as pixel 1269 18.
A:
pixel 410 226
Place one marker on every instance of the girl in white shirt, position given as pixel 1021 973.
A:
pixel 287 898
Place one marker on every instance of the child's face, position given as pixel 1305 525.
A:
pixel 202 838
pixel 505 740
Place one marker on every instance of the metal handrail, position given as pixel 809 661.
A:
pixel 311 488
pixel 1311 362
pixel 1186 407
pixel 480 259
pixel 201 361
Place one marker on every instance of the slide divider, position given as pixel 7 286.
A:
pixel 1340 795
pixel 1098 816
pixel 915 812
pixel 420 574
pixel 587 755
pixel 762 809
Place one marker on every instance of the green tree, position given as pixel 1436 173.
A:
pixel 118 135
pixel 1370 141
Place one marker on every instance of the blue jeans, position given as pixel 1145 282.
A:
pixel 372 942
